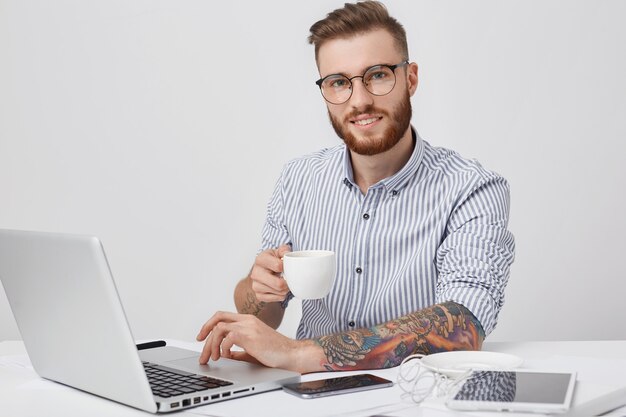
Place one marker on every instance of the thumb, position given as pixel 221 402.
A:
pixel 282 250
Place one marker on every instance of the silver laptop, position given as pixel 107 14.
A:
pixel 67 308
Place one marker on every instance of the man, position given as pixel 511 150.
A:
pixel 423 251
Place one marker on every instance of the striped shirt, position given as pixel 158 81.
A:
pixel 435 231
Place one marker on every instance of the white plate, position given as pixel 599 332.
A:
pixel 457 363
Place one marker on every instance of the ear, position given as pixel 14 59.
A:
pixel 412 78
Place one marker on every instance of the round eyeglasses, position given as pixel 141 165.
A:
pixel 379 80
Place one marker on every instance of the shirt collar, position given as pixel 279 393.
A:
pixel 398 180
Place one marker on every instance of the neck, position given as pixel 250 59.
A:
pixel 370 169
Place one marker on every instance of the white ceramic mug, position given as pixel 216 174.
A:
pixel 309 273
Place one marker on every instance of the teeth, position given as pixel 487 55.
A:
pixel 366 121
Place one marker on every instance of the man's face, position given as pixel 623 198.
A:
pixel 369 124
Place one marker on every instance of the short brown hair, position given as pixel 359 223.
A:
pixel 354 19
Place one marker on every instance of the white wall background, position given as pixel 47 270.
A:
pixel 161 126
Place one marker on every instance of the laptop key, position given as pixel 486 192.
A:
pixel 171 370
pixel 198 387
pixel 223 383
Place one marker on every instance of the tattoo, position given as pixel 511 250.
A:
pixel 442 327
pixel 252 305
pixel 344 349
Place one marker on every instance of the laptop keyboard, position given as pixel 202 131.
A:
pixel 168 382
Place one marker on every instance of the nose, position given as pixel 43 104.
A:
pixel 360 96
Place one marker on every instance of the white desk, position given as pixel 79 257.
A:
pixel 23 393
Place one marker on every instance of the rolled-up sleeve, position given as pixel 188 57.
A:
pixel 475 257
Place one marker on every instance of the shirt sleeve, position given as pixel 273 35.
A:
pixel 475 257
pixel 274 231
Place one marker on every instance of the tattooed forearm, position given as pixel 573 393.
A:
pixel 442 327
pixel 251 305
pixel 344 349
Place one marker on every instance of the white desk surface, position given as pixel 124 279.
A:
pixel 601 366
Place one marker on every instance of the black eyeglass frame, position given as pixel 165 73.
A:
pixel 391 67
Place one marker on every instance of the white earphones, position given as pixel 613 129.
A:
pixel 419 381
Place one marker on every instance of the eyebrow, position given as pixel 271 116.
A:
pixel 363 71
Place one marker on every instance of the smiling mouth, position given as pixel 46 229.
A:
pixel 366 122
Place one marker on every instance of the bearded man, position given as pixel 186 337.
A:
pixel 420 233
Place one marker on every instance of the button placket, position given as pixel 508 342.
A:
pixel 362 244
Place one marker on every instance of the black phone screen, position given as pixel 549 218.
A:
pixel 339 385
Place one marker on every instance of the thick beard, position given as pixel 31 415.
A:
pixel 400 121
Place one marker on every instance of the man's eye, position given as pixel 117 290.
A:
pixel 338 83
pixel 378 75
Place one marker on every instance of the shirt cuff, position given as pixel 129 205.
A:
pixel 478 302
pixel 285 302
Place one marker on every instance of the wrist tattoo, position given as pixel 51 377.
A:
pixel 251 305
pixel 344 349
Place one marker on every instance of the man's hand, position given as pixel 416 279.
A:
pixel 260 343
pixel 267 284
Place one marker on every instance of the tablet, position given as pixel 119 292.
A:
pixel 518 390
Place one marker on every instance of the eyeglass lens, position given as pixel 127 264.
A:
pixel 378 80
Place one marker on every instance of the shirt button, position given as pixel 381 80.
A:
pixel 351 324
pixel 358 270
pixel 394 192
pixel 366 216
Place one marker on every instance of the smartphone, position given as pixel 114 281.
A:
pixel 335 386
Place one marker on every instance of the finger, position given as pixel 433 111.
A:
pixel 282 250
pixel 201 334
pixel 211 348
pixel 271 298
pixel 275 283
pixel 261 289
pixel 270 260
pixel 227 345
pixel 206 352
pixel 216 318
pixel 218 334
pixel 207 327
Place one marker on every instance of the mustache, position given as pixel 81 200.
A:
pixel 369 109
